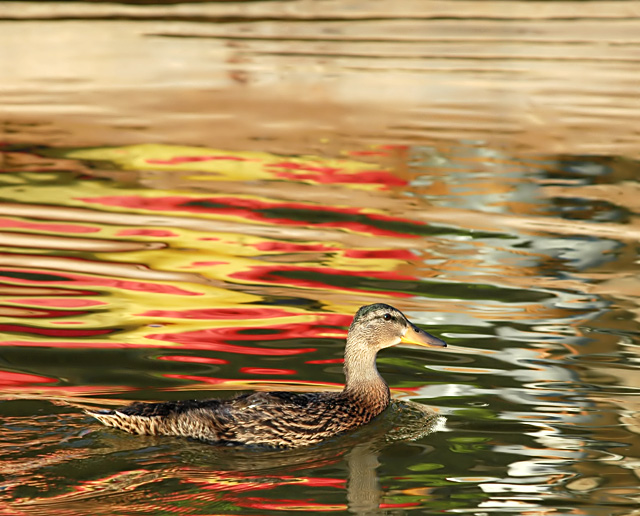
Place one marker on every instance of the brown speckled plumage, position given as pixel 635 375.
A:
pixel 286 419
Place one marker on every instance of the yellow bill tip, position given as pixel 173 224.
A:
pixel 418 337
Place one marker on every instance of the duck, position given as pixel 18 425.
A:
pixel 283 419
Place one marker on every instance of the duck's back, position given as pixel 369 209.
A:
pixel 283 419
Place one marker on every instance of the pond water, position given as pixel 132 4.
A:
pixel 197 197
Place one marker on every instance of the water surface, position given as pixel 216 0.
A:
pixel 193 222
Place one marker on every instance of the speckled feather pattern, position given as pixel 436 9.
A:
pixel 279 419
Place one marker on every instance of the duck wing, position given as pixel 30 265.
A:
pixel 280 419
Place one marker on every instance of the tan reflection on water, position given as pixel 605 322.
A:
pixel 548 76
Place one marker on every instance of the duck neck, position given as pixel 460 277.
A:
pixel 361 374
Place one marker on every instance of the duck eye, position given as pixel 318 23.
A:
pixel 387 317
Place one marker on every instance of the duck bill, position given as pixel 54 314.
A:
pixel 418 337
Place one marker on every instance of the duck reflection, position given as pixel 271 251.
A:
pixel 358 453
pixel 238 471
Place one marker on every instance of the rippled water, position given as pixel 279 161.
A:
pixel 133 267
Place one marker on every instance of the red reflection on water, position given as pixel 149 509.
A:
pixel 324 482
pixel 272 274
pixel 177 160
pixel 216 338
pixel 327 361
pixel 334 320
pixel 291 165
pixel 37 313
pixel 220 313
pixel 207 264
pixel 289 247
pixel 411 390
pixel 147 232
pixel 53 332
pixel 99 281
pixel 9 378
pixel 246 383
pixel 398 505
pixel 328 271
pixel 199 379
pixel 102 344
pixel 211 338
pixel 71 344
pixel 290 505
pixel 267 371
pixel 28 290
pixel 58 303
pixel 252 209
pixel 394 254
pixel 238 482
pixel 232 488
pixel 197 360
pixel 39 391
pixel 41 226
pixel 329 175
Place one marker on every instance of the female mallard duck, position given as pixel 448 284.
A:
pixel 287 419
